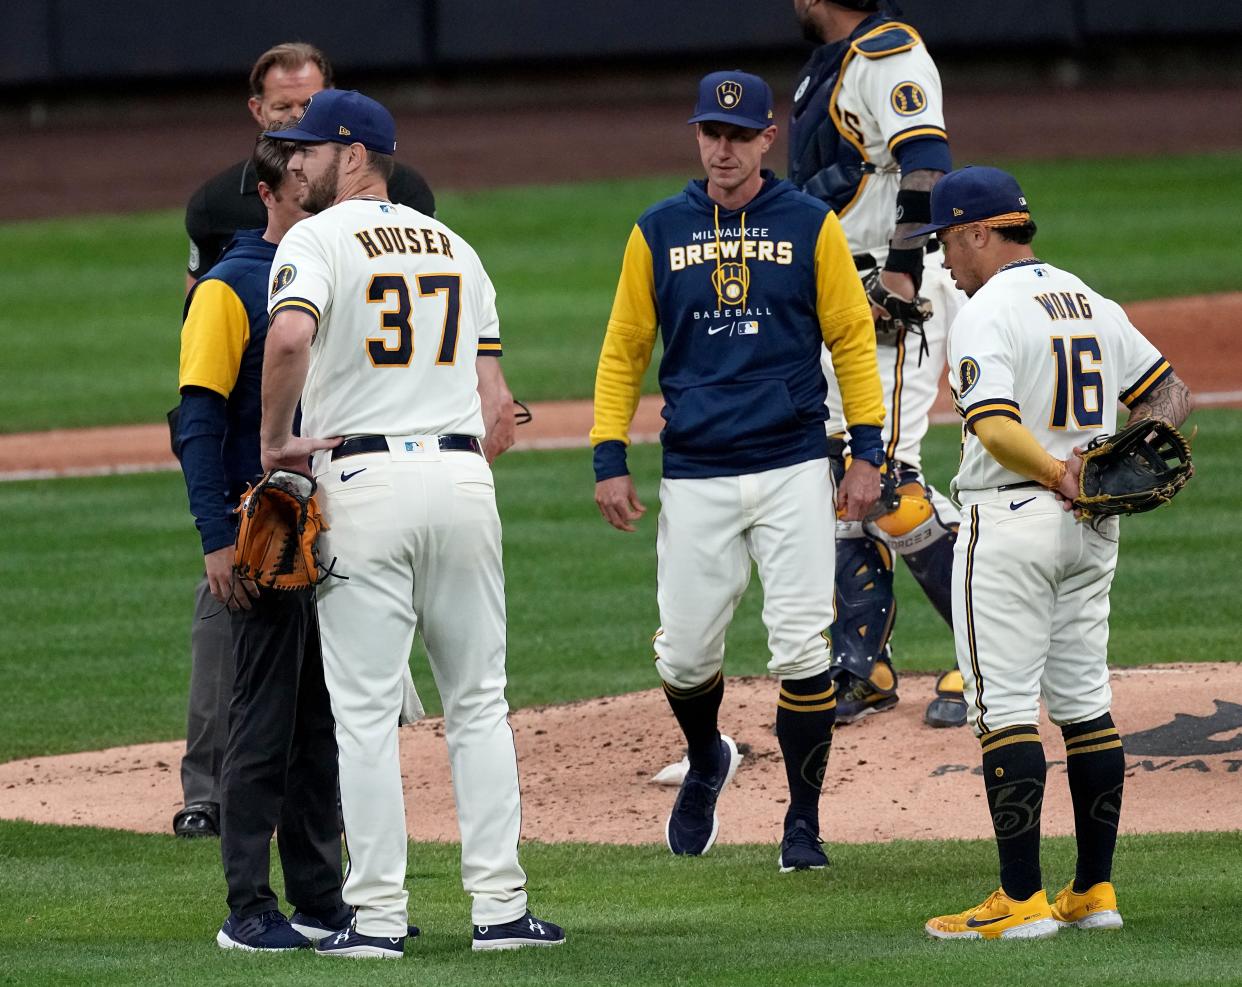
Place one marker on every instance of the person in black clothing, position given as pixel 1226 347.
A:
pixel 279 767
pixel 282 81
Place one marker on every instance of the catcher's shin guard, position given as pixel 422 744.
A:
pixel 916 533
pixel 864 603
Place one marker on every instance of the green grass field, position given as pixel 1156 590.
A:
pixel 92 306
pixel 99 576
pixel 95 907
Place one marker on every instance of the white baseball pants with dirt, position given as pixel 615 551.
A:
pixel 1030 609
pixel 709 531
pixel 420 543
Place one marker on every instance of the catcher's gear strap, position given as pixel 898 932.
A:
pixel 864 603
pixel 1136 470
pixel 280 523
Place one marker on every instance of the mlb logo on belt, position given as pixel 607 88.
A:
pixel 414 445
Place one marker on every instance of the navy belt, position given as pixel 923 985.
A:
pixel 359 444
pixel 1025 484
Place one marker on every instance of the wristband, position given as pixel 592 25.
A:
pixel 913 206
pixel 905 261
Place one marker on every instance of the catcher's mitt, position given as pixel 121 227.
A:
pixel 1135 470
pixel 280 522
pixel 902 315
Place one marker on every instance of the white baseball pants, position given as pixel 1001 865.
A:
pixel 709 531
pixel 1030 609
pixel 420 543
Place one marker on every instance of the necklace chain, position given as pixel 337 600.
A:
pixel 1017 263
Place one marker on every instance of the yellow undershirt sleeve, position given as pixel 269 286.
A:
pixel 1012 445
pixel 846 325
pixel 628 344
pixel 215 334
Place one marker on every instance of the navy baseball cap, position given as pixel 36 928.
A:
pixel 343 116
pixel 975 194
pixel 734 97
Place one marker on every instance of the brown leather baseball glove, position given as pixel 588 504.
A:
pixel 280 522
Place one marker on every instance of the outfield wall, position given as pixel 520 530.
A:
pixel 57 42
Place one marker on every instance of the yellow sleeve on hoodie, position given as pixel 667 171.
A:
pixel 846 324
pixel 628 344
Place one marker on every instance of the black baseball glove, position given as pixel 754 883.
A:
pixel 902 315
pixel 1135 470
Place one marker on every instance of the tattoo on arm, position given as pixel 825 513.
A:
pixel 1170 400
pixel 921 180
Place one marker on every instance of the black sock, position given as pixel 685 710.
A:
pixel 1014 771
pixel 1097 771
pixel 697 710
pixel 805 714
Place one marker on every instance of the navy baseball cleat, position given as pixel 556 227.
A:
pixel 525 931
pixel 693 823
pixel 315 927
pixel 352 943
pixel 267 932
pixel 802 849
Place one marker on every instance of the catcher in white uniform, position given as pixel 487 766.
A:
pixel 867 137
pixel 1037 364
pixel 384 323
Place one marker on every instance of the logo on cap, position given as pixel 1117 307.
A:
pixel 729 94
pixel 344 132
pixel 958 212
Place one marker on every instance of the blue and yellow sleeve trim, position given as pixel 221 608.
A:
pixel 1157 372
pixel 992 408
pixel 300 304
pixel 490 346
pixel 922 132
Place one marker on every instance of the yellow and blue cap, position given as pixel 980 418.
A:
pixel 975 194
pixel 735 97
pixel 343 116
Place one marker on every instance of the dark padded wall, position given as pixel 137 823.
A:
pixel 45 41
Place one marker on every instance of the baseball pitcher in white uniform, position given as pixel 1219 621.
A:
pixel 384 325
pixel 868 138
pixel 1037 363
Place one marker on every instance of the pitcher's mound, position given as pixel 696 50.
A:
pixel 586 769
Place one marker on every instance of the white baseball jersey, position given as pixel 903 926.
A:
pixel 1037 345
pixel 403 307
pixel 1030 582
pixel 880 102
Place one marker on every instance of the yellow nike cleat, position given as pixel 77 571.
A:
pixel 999 917
pixel 1095 908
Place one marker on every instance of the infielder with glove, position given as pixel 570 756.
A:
pixel 747 279
pixel 384 323
pixel 1037 363
pixel 279 765
pixel 867 137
